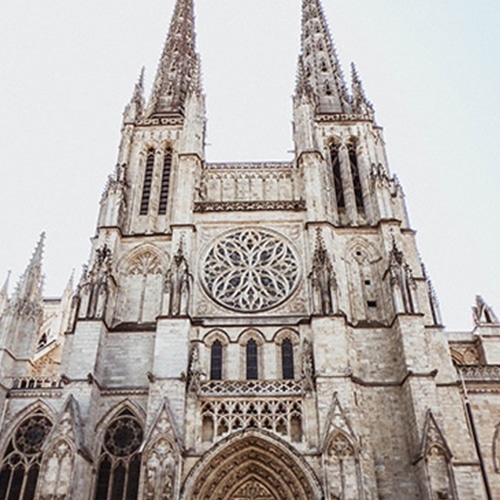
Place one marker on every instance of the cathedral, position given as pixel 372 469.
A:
pixel 247 331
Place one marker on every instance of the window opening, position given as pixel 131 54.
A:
pixel 148 181
pixel 216 361
pixel 119 467
pixel 165 182
pixel 358 191
pixel 21 462
pixel 337 176
pixel 287 359
pixel 252 365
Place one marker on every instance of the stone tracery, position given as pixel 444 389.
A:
pixel 250 270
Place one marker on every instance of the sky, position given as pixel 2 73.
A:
pixel 430 67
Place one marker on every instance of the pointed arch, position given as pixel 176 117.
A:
pixel 287 342
pixel 437 460
pixel 119 462
pixel 253 459
pixel 23 453
pixel 141 278
pixel 251 354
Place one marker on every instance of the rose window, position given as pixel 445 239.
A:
pixel 250 270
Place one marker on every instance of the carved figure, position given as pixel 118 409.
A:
pixel 160 472
pixel 402 283
pixel 195 372
pixel 308 366
pixel 178 285
pixel 323 280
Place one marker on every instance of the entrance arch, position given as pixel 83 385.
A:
pixel 252 465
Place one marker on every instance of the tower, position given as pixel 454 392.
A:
pixel 247 330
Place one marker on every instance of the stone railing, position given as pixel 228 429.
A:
pixel 35 382
pixel 251 388
pixel 480 373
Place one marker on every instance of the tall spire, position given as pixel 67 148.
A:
pixel 319 67
pixel 29 286
pixel 178 71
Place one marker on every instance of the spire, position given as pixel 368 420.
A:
pixel 178 71
pixel 319 68
pixel 135 108
pixel 29 286
pixel 360 104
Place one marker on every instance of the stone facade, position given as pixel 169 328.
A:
pixel 261 331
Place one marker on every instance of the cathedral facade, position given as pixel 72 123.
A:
pixel 247 331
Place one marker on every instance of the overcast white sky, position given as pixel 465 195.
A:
pixel 430 67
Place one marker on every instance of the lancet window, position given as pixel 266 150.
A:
pixel 148 181
pixel 356 181
pixel 216 361
pixel 337 176
pixel 22 459
pixel 287 359
pixel 165 182
pixel 252 360
pixel 120 461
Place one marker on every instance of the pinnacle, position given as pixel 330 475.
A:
pixel 5 288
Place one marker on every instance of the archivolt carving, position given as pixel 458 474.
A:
pixel 252 463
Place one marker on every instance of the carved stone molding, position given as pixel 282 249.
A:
pixel 249 206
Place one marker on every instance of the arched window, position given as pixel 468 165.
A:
pixel 337 176
pixel 120 462
pixel 216 361
pixel 252 361
pixel 287 359
pixel 165 182
pixel 356 181
pixel 21 462
pixel 148 180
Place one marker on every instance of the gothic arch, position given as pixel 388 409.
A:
pixel 38 406
pixel 214 335
pixel 286 333
pixel 23 451
pixel 251 462
pixel 251 333
pixel 114 412
pixel 292 337
pixel 244 340
pixel 117 444
pixel 141 278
